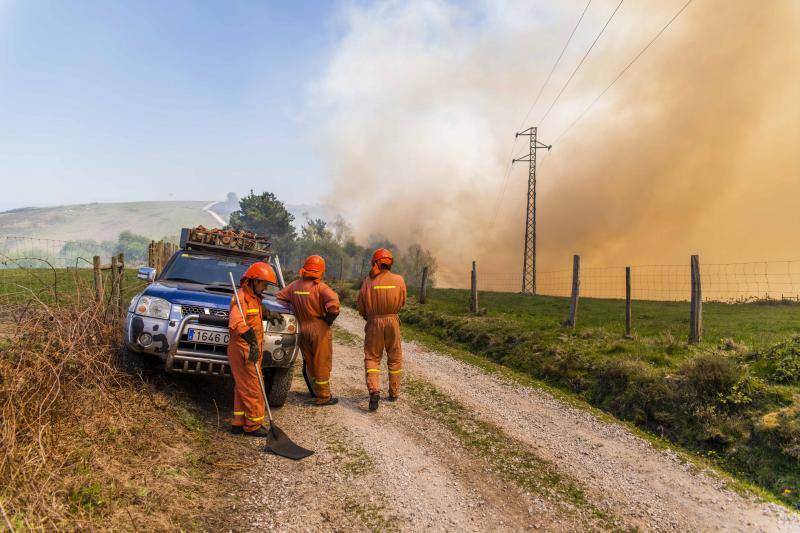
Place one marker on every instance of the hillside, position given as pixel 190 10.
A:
pixel 105 221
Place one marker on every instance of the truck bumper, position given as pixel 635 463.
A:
pixel 167 339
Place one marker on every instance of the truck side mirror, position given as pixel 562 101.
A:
pixel 146 273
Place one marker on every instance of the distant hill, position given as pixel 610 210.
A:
pixel 105 221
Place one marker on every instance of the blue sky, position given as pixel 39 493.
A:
pixel 122 101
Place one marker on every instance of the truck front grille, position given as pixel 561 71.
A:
pixel 200 310
pixel 201 367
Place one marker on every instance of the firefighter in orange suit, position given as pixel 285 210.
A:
pixel 381 297
pixel 245 347
pixel 316 306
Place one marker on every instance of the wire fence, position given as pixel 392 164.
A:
pixel 729 282
pixel 49 269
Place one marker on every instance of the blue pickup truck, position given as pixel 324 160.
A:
pixel 180 319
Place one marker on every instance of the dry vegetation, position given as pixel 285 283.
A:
pixel 87 446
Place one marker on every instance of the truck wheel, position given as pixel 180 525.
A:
pixel 278 381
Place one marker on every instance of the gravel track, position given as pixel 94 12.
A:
pixel 648 487
pixel 399 469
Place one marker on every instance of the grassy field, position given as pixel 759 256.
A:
pixel 734 398
pixel 19 285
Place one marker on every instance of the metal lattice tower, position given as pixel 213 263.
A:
pixel 529 259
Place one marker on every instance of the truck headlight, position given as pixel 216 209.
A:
pixel 153 307
pixel 289 325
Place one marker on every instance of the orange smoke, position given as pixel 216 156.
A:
pixel 695 150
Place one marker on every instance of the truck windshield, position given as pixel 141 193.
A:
pixel 204 269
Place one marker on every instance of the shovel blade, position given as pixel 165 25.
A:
pixel 280 444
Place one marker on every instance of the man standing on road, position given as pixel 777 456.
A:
pixel 245 348
pixel 381 297
pixel 316 306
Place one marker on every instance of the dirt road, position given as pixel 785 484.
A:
pixel 464 450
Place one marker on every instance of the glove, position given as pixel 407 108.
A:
pixel 330 317
pixel 249 337
pixel 272 317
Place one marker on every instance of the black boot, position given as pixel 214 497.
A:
pixel 330 401
pixel 391 398
pixel 374 398
pixel 260 432
pixel 237 430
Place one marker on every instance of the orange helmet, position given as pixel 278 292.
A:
pixel 260 270
pixel 314 263
pixel 382 256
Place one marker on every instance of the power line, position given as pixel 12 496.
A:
pixel 514 145
pixel 505 183
pixel 564 49
pixel 623 71
pixel 541 120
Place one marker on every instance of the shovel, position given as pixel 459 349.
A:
pixel 277 441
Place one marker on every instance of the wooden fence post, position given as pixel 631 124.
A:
pixel 114 303
pixel 627 301
pixel 121 284
pixel 473 296
pixel 151 254
pixel 576 285
pixel 423 288
pixel 696 309
pixel 98 279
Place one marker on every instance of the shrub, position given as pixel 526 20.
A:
pixel 632 390
pixel 783 361
pixel 710 376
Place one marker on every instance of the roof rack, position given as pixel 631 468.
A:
pixel 225 241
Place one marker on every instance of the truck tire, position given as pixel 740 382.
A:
pixel 278 381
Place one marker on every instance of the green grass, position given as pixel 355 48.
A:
pixel 755 325
pixel 732 398
pixel 19 285
pixel 345 337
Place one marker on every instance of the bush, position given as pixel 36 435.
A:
pixel 782 361
pixel 73 429
pixel 710 377
pixel 633 391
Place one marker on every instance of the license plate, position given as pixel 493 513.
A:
pixel 208 337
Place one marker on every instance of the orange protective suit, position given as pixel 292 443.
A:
pixel 381 297
pixel 248 401
pixel 312 299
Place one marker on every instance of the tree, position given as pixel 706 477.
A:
pixel 413 261
pixel 341 230
pixel 266 215
pixel 316 230
pixel 133 246
pixel 317 239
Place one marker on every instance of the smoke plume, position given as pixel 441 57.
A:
pixel 695 150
